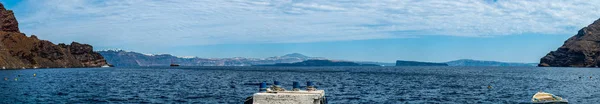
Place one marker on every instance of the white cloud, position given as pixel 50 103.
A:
pixel 315 6
pixel 112 23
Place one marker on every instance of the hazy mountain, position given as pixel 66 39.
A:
pixel 295 55
pixel 121 58
pixel 470 62
pixel 321 63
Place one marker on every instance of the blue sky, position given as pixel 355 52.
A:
pixel 421 30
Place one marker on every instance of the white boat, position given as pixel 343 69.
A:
pixel 548 98
pixel 278 95
pixel 105 66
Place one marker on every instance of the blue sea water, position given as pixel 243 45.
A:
pixel 342 84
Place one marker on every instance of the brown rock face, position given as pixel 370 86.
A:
pixel 19 51
pixel 581 50
pixel 9 22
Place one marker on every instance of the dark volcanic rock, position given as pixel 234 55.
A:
pixel 581 50
pixel 9 22
pixel 19 51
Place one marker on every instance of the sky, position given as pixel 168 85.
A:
pixel 361 30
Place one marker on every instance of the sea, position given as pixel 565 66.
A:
pixel 345 85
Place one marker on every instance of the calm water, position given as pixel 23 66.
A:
pixel 342 84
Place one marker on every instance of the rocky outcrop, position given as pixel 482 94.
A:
pixel 8 20
pixel 19 51
pixel 581 50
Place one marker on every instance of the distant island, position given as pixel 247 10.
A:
pixel 462 62
pixel 471 62
pixel 17 51
pixel 121 58
pixel 416 63
pixel 581 50
pixel 376 63
pixel 321 63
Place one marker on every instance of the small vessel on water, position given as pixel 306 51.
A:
pixel 278 95
pixel 173 64
pixel 547 98
pixel 107 66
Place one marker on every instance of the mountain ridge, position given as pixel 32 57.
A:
pixel 321 62
pixel 132 59
pixel 296 55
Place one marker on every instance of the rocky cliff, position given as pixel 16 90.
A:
pixel 9 22
pixel 19 51
pixel 581 50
